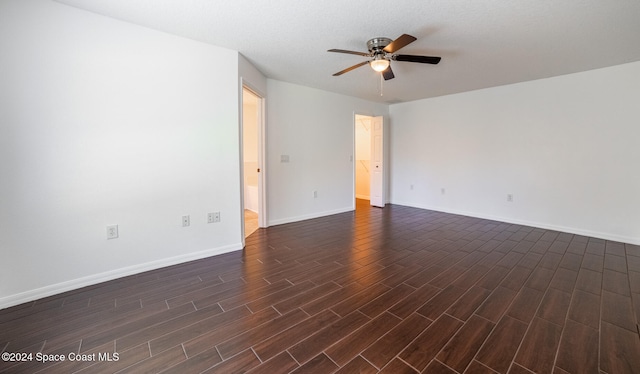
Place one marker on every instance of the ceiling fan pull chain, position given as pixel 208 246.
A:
pixel 381 84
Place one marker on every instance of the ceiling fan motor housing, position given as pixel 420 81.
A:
pixel 376 45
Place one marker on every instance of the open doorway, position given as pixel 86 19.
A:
pixel 362 159
pixel 252 181
pixel 369 160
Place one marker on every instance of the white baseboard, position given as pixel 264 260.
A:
pixel 282 221
pixel 542 225
pixel 90 280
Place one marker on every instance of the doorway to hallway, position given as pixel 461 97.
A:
pixel 369 160
pixel 252 151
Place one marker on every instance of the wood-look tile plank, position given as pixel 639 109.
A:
pixel 239 363
pixel 426 346
pixel 357 365
pixel 578 352
pixel 319 364
pixel 540 247
pixel 510 260
pixel 516 278
pixel 413 301
pixel 477 368
pixel 493 278
pixel 577 247
pixel 257 292
pixel 554 306
pixel 386 264
pixel 332 298
pixel 496 304
pixel 585 308
pixel 501 346
pixel 447 277
pixel 540 278
pixel 232 287
pixel 386 300
pixel 125 359
pixel 284 340
pixel 398 367
pixel 596 246
pixel 199 337
pixel 525 304
pixel 276 297
pixel 589 281
pixel 616 263
pixel 34 366
pixel 92 340
pixel 633 263
pixel 159 362
pixel 272 325
pixel 441 302
pixel 564 280
pixel 571 261
pixel 592 262
pixel 386 348
pixel 517 369
pixel 634 281
pixel 619 350
pixel 159 340
pixel 282 363
pixel 538 350
pixel 618 310
pixel 471 277
pixel 302 298
pixel 468 303
pixel 436 367
pixel 615 248
pixel 360 299
pixel 150 332
pixel 351 346
pixel 195 364
pixel 550 260
pixel 614 281
pixel 318 342
pixel 464 345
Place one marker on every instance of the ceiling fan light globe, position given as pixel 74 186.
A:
pixel 380 65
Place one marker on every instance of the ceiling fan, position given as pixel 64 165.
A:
pixel 381 52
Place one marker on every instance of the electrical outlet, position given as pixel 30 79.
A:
pixel 510 198
pixel 315 194
pixel 216 217
pixel 411 187
pixel 443 191
pixel 112 232
pixel 210 218
pixel 185 221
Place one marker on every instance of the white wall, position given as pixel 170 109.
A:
pixel 103 122
pixel 567 148
pixel 315 129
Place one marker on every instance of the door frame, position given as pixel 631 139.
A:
pixel 262 179
pixel 353 156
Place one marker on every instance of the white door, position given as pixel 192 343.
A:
pixel 377 162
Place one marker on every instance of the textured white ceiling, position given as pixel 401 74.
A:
pixel 483 43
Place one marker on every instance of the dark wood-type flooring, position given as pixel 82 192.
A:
pixel 393 290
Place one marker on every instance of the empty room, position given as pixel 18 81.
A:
pixel 319 187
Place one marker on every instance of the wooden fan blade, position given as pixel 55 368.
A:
pixel 388 73
pixel 402 41
pixel 421 59
pixel 349 52
pixel 350 68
